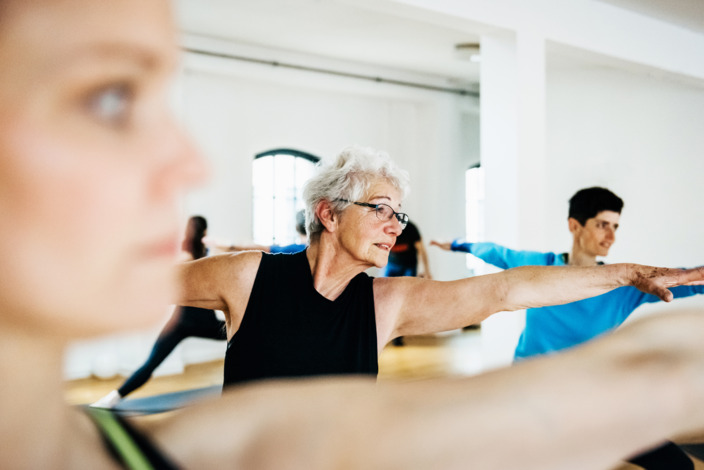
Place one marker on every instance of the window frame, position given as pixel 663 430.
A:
pixel 274 153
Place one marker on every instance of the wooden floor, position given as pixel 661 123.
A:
pixel 421 357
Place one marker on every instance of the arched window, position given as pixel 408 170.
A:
pixel 278 177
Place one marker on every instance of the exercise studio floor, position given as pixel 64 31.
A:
pixel 454 354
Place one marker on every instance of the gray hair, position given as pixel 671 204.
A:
pixel 349 176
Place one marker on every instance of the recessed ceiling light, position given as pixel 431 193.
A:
pixel 468 51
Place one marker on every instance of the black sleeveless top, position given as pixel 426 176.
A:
pixel 290 330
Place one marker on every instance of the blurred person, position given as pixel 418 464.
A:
pixel 407 254
pixel 185 322
pixel 290 248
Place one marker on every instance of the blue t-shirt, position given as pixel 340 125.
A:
pixel 559 327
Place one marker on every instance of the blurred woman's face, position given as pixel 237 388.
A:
pixel 91 164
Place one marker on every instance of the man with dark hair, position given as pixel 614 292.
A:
pixel 587 203
pixel 593 219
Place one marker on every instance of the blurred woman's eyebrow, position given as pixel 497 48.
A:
pixel 144 57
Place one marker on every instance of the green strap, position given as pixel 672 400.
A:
pixel 121 441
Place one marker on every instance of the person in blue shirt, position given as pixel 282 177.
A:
pixel 593 220
pixel 292 248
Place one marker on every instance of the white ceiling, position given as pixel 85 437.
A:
pixel 334 30
pixel 685 13
pixel 341 30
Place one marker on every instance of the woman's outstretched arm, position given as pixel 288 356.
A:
pixel 407 306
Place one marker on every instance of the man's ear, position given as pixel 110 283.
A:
pixel 573 224
pixel 326 215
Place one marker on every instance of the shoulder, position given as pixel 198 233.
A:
pixel 240 259
pixel 393 289
pixel 229 265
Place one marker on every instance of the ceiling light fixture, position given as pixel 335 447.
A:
pixel 468 51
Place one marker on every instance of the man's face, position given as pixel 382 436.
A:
pixel 597 235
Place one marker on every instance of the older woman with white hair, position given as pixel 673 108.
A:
pixel 318 313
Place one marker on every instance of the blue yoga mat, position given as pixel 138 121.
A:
pixel 166 401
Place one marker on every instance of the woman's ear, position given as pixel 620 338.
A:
pixel 327 216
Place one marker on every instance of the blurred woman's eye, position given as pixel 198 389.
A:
pixel 111 105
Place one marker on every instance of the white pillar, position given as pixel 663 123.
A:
pixel 532 161
pixel 498 137
pixel 513 138
pixel 513 157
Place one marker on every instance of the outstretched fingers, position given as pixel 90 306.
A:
pixel 664 294
pixel 657 281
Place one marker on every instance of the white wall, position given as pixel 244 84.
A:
pixel 641 137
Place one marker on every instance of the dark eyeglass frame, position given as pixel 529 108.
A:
pixel 400 216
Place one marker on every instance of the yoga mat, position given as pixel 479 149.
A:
pixel 166 401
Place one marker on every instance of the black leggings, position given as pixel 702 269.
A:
pixel 184 323
pixel 666 457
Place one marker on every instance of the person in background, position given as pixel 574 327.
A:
pixel 593 219
pixel 186 322
pixel 291 248
pixel 405 256
pixel 84 114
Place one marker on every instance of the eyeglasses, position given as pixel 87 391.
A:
pixel 383 212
